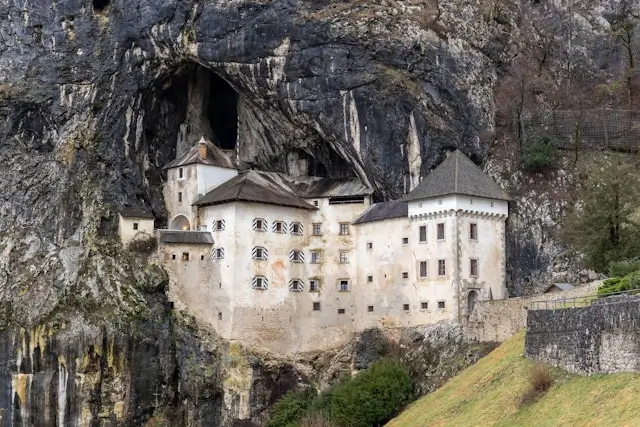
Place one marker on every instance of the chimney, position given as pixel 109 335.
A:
pixel 202 149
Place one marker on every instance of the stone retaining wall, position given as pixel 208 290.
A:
pixel 498 320
pixel 600 338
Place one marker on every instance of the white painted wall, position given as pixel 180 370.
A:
pixel 187 185
pixel 210 177
pixel 126 231
pixel 456 202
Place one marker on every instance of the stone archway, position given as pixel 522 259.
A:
pixel 180 222
pixel 472 298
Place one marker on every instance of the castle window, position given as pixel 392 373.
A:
pixel 314 285
pixel 260 283
pixel 279 227
pixel 179 197
pixel 218 225
pixel 405 240
pixel 185 256
pixel 316 306
pixel 440 201
pixel 201 257
pixel 260 253
pixel 296 228
pixel 219 316
pixel 296 256
pixel 341 311
pixel 343 285
pixel 405 274
pixel 315 203
pixel 473 231
pixel 217 253
pixel 135 225
pixel 369 246
pixel 491 204
pixel 317 229
pixel 470 201
pixel 180 173
pixel 405 307
pixel 369 279
pixel 344 228
pixel 442 267
pixel 370 308
pixel 344 257
pixel 422 234
pixel 316 257
pixel 173 256
pixel 296 285
pixel 259 224
pixel 423 269
pixel 424 305
pixel 441 304
pixel 441 231
pixel 473 268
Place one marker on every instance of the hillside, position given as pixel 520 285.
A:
pixel 489 394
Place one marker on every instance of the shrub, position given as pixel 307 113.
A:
pixel 539 155
pixel 372 397
pixel 540 380
pixel 288 411
pixel 623 268
pixel 315 419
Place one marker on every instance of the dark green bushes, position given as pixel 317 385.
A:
pixel 370 398
pixel 623 268
pixel 539 155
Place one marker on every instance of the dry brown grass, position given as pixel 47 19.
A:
pixel 540 380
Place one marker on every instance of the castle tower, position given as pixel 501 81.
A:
pixel 191 176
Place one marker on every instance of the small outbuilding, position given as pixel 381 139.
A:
pixel 558 287
pixel 134 223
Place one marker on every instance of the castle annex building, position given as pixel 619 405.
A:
pixel 293 264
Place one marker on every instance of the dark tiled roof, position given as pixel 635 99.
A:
pixel 385 210
pixel 254 186
pixel 457 174
pixel 215 157
pixel 135 213
pixel 561 286
pixel 186 237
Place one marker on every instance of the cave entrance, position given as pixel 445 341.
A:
pixel 222 112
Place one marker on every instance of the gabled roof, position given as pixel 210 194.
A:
pixel 186 237
pixel 561 286
pixel 457 174
pixel 130 212
pixel 254 186
pixel 384 210
pixel 215 157
pixel 311 186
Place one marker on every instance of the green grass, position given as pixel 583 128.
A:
pixel 490 393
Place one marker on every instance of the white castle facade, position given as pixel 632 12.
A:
pixel 296 264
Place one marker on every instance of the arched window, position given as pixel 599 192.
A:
pixel 180 223
pixel 471 301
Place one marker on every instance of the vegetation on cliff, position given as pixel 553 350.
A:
pixel 492 393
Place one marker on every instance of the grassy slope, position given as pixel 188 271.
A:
pixel 489 393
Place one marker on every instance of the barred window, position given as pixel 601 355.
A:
pixel 279 227
pixel 314 285
pixel 260 253
pixel 344 257
pixel 441 231
pixel 344 228
pixel 296 256
pixel 316 306
pixel 296 228
pixel 296 285
pixel 423 269
pixel 259 224
pixel 316 257
pixel 217 253
pixel 260 283
pixel 317 229
pixel 422 237
pixel 442 267
pixel 473 231
pixel 218 225
pixel 473 267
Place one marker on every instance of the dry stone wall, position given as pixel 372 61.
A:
pixel 498 320
pixel 601 338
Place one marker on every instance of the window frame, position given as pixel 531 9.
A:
pixel 343 257
pixel 473 231
pixel 472 262
pixel 316 306
pixel 180 173
pixel 296 285
pixel 444 267
pixel 264 225
pixel 313 229
pixel 179 196
pixel 370 309
pixel 314 285
pixel 297 225
pixel 260 253
pixel 346 288
pixel 441 226
pixel 420 230
pixel 280 224
pixel 296 256
pixel 318 256
pixel 342 311
pixel 442 304
pixel 136 226
pixel 369 246
pixel 405 241
pixel 426 269
pixel 344 226
pixel 405 275
pixel 406 307
pixel 424 305
pixel 370 279
pixel 264 283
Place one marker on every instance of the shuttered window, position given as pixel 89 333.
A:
pixel 296 228
pixel 217 253
pixel 296 285
pixel 296 256
pixel 279 227
pixel 260 283
pixel 218 225
pixel 260 253
pixel 259 224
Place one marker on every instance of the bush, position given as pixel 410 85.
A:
pixel 540 380
pixel 372 397
pixel 539 155
pixel 623 268
pixel 288 411
pixel 315 419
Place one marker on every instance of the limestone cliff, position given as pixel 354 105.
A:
pixel 97 95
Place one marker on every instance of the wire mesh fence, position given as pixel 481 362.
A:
pixel 594 129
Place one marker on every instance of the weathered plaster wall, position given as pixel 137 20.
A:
pixel 188 186
pixel 209 177
pixel 456 202
pixel 126 231
pixel 600 338
pixel 498 320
